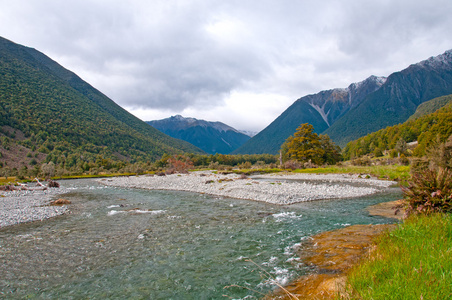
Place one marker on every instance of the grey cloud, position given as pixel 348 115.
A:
pixel 173 55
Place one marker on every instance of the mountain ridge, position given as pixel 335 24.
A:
pixel 211 137
pixel 390 100
pixel 397 99
pixel 319 110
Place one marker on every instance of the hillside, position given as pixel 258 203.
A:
pixel 431 106
pixel 396 100
pixel 320 110
pixel 50 114
pixel 211 137
pixel 425 129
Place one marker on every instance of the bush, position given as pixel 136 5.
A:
pixel 378 152
pixel 429 191
pixel 393 153
pixel 403 160
pixel 292 165
pixel 363 161
pixel 179 164
pixel 245 165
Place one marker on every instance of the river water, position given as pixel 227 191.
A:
pixel 138 244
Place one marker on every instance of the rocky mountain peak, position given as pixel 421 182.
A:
pixel 443 61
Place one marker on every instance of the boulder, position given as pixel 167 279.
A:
pixel 60 202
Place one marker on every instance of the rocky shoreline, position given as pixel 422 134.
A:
pixel 32 204
pixel 27 205
pixel 282 189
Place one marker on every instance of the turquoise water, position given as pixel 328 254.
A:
pixel 137 244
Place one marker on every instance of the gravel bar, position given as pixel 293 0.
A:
pixel 22 206
pixel 278 188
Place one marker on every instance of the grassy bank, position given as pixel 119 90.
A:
pixel 390 172
pixel 412 262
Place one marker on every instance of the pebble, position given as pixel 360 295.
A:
pixel 28 205
pixel 279 191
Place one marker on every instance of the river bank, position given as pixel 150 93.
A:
pixel 333 254
pixel 281 189
pixel 21 206
pixel 28 205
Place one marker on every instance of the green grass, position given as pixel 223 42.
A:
pixel 390 172
pixel 13 180
pixel 257 171
pixel 413 261
pixel 93 176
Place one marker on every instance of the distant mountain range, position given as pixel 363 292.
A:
pixel 211 137
pixel 362 108
pixel 48 113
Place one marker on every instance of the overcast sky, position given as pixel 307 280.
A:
pixel 239 62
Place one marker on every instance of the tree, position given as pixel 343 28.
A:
pixel 332 151
pixel 401 147
pixel 48 170
pixel 305 145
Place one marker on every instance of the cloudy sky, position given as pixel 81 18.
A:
pixel 241 62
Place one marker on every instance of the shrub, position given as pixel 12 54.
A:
pixel 292 165
pixel 393 153
pixel 429 191
pixel 310 165
pixel 363 161
pixel 403 160
pixel 418 164
pixel 245 165
pixel 179 164
pixel 378 152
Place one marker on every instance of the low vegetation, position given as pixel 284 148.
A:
pixel 395 172
pixel 411 262
pixel 415 260
pixel 429 191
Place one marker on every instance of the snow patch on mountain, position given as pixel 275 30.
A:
pixel 441 61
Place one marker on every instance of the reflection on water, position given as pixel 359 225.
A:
pixel 124 243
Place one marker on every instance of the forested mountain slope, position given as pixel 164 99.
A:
pixel 427 129
pixel 50 114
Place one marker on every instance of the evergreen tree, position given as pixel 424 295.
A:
pixel 304 145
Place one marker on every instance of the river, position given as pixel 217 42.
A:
pixel 120 243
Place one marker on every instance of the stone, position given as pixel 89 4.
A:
pixel 60 202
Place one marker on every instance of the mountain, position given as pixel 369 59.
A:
pixel 212 137
pixel 249 132
pixel 48 113
pixel 362 108
pixel 321 110
pixel 396 100
pixel 430 106
pixel 425 127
